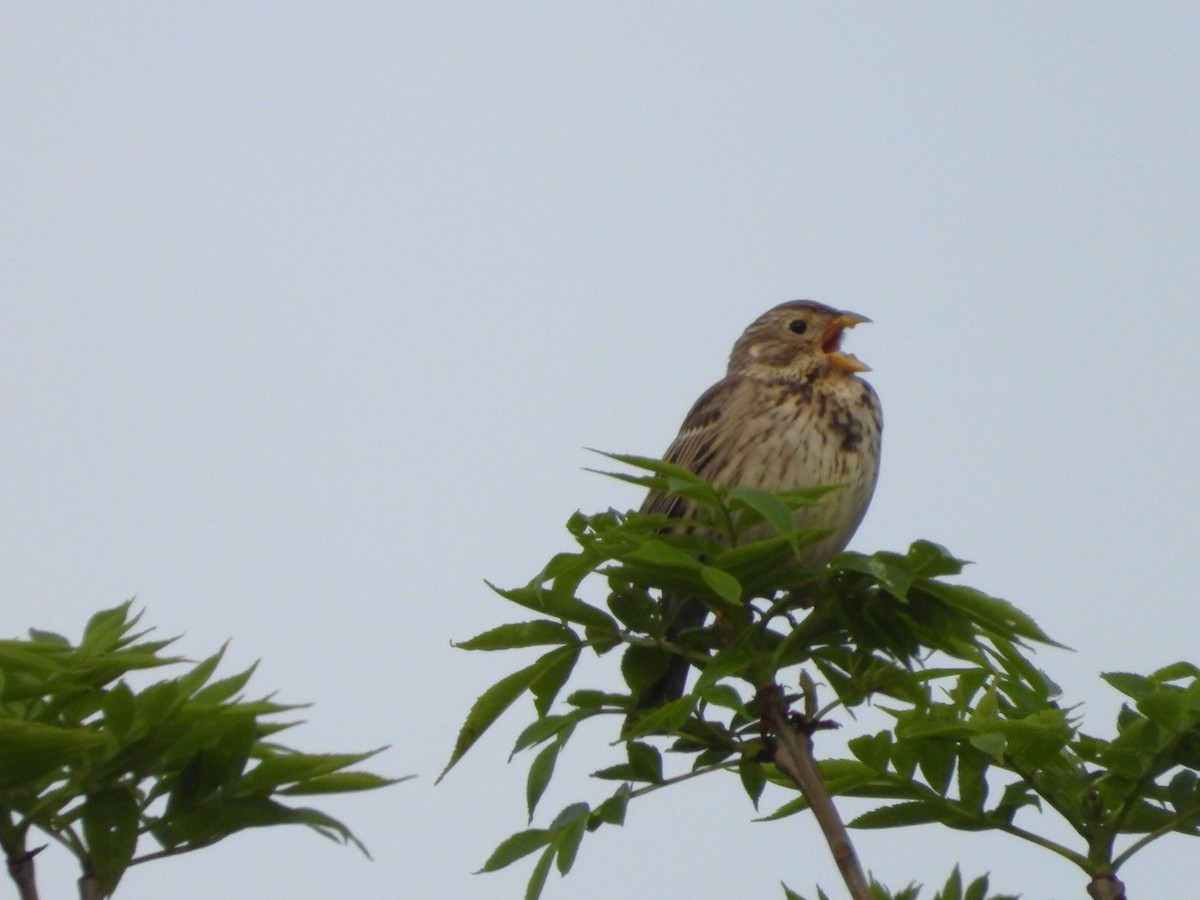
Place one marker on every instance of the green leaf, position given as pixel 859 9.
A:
pixel 540 729
pixel 30 750
pixel 768 506
pixel 972 778
pixel 110 821
pixel 723 584
pixel 993 743
pixel 105 627
pixel 668 717
pixel 515 847
pixel 1176 672
pixel 901 814
pixel 558 604
pixel 541 770
pixel 1182 791
pixel 731 661
pixel 936 760
pixel 221 690
pixel 635 609
pixel 1164 707
pixel 993 613
pixel 342 783
pixel 645 761
pixel 547 685
pixel 612 810
pixel 754 779
pixel 48 638
pixel 215 766
pixel 873 750
pixel 495 700
pixel 725 696
pixel 285 767
pixel 796 805
pixel 643 666
pixel 119 710
pixel 658 553
pixel 541 869
pixel 521 634
pixel 569 839
pixel 952 890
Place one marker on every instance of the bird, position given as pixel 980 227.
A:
pixel 790 413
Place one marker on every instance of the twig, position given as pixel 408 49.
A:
pixel 793 756
pixel 89 888
pixel 1106 887
pixel 20 869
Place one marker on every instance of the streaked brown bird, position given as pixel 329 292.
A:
pixel 790 413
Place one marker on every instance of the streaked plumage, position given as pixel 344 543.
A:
pixel 790 413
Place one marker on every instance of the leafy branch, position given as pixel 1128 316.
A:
pixel 97 766
pixel 946 662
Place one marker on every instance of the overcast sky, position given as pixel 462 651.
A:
pixel 308 312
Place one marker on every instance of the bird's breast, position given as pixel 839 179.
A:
pixel 812 435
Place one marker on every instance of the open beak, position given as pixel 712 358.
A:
pixel 831 343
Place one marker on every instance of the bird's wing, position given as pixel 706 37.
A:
pixel 703 439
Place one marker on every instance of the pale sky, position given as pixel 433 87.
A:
pixel 310 310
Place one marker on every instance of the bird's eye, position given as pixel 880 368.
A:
pixel 798 325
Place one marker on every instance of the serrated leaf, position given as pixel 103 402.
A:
pixel 952 890
pixel 521 634
pixel 901 814
pixel 495 700
pixel 541 770
pixel 541 869
pixel 643 666
pixel 645 761
pixel 110 820
pixel 119 710
pixel 568 841
pixel 635 609
pixel 547 685
pixel 797 805
pixel 993 743
pixel 725 696
pixel 559 604
pixel 540 729
pixel 1176 672
pixel 874 751
pixel 723 584
pixel 342 783
pixel 936 761
pixel 31 750
pixel 515 847
pixel 668 717
pixel 612 810
pixel 992 612
pixel 768 506
pixel 754 778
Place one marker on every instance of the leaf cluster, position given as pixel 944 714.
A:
pixel 979 735
pixel 97 765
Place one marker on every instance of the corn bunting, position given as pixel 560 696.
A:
pixel 790 413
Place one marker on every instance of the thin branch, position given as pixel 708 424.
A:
pixel 89 888
pixel 20 869
pixel 1045 843
pixel 667 782
pixel 1154 835
pixel 793 756
pixel 692 656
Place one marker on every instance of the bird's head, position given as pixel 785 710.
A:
pixel 796 340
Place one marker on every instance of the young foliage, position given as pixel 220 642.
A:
pixel 98 766
pixel 946 662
